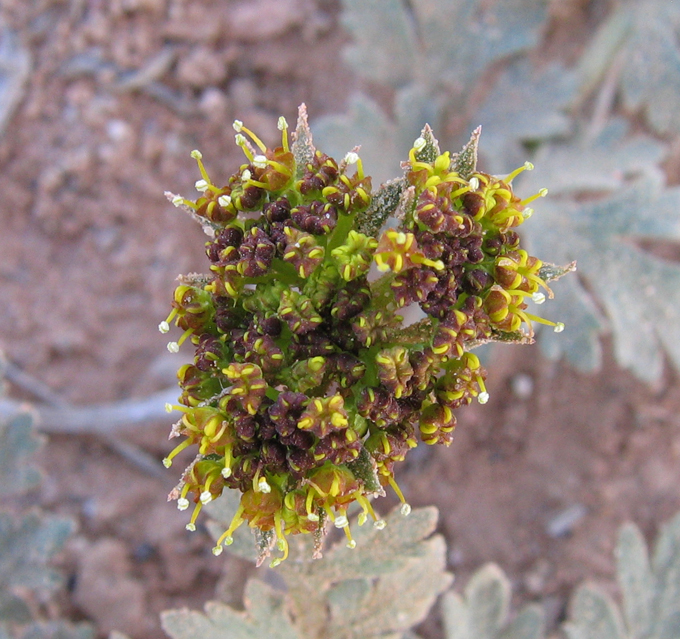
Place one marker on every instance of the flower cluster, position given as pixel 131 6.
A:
pixel 306 387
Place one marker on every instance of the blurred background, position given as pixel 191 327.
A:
pixel 101 102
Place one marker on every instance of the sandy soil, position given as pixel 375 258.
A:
pixel 118 94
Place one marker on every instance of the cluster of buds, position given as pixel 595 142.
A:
pixel 306 386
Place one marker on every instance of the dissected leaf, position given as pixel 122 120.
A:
pixel 366 124
pixel 264 616
pixel 462 37
pixel 26 545
pixel 666 564
pixel 381 588
pixel 384 23
pixel 650 75
pixel 15 69
pixel 526 104
pixel 594 616
pixel 488 598
pixel 638 292
pixel 56 630
pixel 18 442
pixel 482 613
pixel 636 580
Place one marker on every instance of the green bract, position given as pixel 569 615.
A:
pixel 306 385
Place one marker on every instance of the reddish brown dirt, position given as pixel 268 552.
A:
pixel 90 249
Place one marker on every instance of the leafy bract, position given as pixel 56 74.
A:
pixel 381 588
pixel 18 442
pixel 638 43
pixel 482 613
pixel 597 214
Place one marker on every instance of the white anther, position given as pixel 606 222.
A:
pixel 263 486
pixel 201 185
pixel 351 158
pixel 419 144
pixel 559 327
pixel 538 297
pixel 341 521
pixel 275 562
pixel 178 200
pixel 167 462
pixel 528 166
pixel 173 347
pixel 313 517
pixel 226 472
pixel 483 397
pixel 246 175
pixel 543 192
pixel 182 503
pixel 228 541
pixel 282 125
pixel 405 510
pixel 206 497
pixel 217 551
pixel 164 327
pixel 260 161
pixel 380 524
pixel 238 125
pixel 351 544
pixel 240 139
pixel 527 212
pixel 281 544
pixel 196 154
pixel 190 527
pixel 474 183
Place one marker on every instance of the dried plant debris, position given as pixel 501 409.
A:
pixel 650 589
pixel 482 612
pixel 637 46
pixel 607 196
pixel 381 589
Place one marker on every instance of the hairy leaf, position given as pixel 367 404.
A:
pixel 18 442
pixel 525 105
pixel 650 69
pixel 651 594
pixel 264 616
pixel 638 293
pixel 594 616
pixel 482 613
pixel 636 579
pixel 381 588
pixel 369 22
pixel 26 545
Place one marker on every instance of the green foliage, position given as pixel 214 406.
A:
pixel 381 588
pixel 483 611
pixel 650 589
